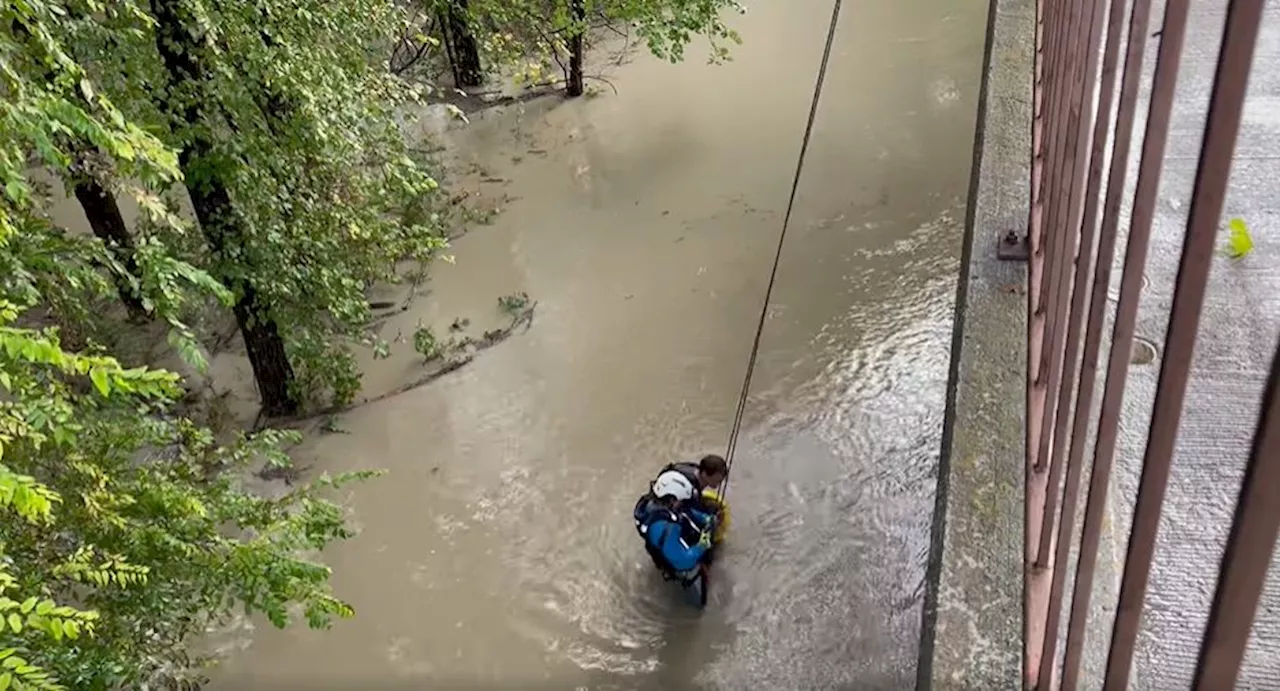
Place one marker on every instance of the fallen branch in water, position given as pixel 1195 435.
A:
pixel 524 318
pixel 419 277
pixel 289 473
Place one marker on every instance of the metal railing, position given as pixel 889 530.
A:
pixel 1078 50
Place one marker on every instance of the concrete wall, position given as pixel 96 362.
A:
pixel 972 629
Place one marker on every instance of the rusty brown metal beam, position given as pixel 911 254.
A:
pixel 1074 37
pixel 1066 335
pixel 1057 35
pixel 1059 161
pixel 1066 175
pixel 1226 106
pixel 1248 556
pixel 1088 225
pixel 1153 147
pixel 1056 80
pixel 1061 231
pixel 1101 471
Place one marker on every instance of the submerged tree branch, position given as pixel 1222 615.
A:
pixel 445 366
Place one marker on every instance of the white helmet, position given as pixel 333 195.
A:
pixel 673 483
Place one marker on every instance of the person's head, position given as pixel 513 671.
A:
pixel 672 488
pixel 712 470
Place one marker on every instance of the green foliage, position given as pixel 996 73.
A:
pixel 52 108
pixel 17 673
pixel 138 518
pixel 515 303
pixel 425 343
pixel 530 39
pixel 1239 240
pixel 124 527
pixel 54 116
pixel 667 26
pixel 306 140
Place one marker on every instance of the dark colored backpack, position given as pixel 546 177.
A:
pixel 647 511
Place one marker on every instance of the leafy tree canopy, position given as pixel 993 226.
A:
pixel 125 527
pixel 304 122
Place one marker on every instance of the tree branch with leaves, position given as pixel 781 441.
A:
pixel 139 518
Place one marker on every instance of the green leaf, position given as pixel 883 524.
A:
pixel 17 191
pixel 86 88
pixel 28 605
pixel 123 148
pixel 6 680
pixel 1239 240
pixel 15 622
pixel 99 377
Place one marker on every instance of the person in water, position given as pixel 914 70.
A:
pixel 676 533
pixel 707 473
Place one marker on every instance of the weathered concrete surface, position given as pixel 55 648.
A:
pixel 971 638
pixel 978 592
pixel 1237 338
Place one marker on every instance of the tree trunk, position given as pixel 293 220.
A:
pixel 576 86
pixel 464 52
pixel 262 340
pixel 222 227
pixel 267 355
pixel 103 215
pixel 108 225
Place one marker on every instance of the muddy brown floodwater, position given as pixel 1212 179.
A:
pixel 498 552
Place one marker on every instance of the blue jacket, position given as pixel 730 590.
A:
pixel 677 540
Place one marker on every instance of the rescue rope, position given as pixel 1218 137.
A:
pixel 777 257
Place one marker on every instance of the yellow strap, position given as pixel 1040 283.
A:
pixel 722 524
